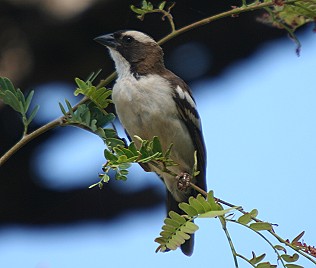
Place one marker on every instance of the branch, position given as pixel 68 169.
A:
pixel 29 137
pixel 230 13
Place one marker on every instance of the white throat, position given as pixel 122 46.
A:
pixel 121 64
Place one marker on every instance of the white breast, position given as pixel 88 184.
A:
pixel 146 108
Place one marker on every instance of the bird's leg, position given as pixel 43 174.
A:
pixel 183 181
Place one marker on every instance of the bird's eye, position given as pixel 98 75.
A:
pixel 127 39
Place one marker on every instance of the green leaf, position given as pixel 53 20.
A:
pixel 10 99
pixel 133 148
pixel 81 84
pixel 62 108
pixel 185 236
pixel 6 84
pixel 255 259
pixel 119 151
pixel 128 152
pixel 168 152
pixel 156 145
pixel 99 96
pixel 178 239
pixel 109 156
pixel 162 5
pixel 124 172
pixel 175 232
pixel 120 177
pixel 21 99
pixel 189 210
pixel 105 178
pixel 144 4
pixel 124 165
pixel 190 227
pixel 113 142
pixel 245 219
pixel 33 114
pixel 175 216
pixel 260 226
pixel 28 100
pixel 289 258
pixel 172 245
pixel 279 247
pixel 168 228
pixel 137 10
pixel 254 213
pixel 296 239
pixel 171 222
pixel 196 204
pixel 204 203
pixel 150 6
pixel 211 200
pixel 70 107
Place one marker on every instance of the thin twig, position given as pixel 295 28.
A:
pixel 230 241
pixel 29 137
pixel 298 250
pixel 264 238
pixel 229 13
pixel 245 259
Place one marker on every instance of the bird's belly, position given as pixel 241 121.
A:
pixel 147 112
pixel 154 113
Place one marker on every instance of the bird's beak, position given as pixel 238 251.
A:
pixel 106 40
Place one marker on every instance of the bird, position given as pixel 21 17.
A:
pixel 150 100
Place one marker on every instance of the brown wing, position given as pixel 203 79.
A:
pixel 190 116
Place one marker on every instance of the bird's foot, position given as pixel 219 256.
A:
pixel 183 181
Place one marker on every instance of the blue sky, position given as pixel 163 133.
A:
pixel 260 131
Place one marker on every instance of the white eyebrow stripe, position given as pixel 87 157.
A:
pixel 140 37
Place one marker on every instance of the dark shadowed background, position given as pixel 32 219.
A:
pixel 44 45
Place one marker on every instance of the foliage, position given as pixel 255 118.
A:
pixel 90 114
pixel 177 228
pixel 120 157
pixel 290 16
pixel 98 95
pixel 17 101
pixel 88 117
pixel 148 7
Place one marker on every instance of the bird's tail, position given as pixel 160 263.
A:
pixel 172 204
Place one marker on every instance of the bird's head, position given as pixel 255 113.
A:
pixel 133 50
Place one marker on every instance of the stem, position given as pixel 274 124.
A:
pixel 165 14
pixel 197 188
pixel 107 80
pixel 229 13
pixel 264 238
pixel 256 220
pixel 245 259
pixel 29 137
pixel 230 241
pixel 298 250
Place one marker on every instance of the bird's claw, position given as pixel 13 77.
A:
pixel 183 181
